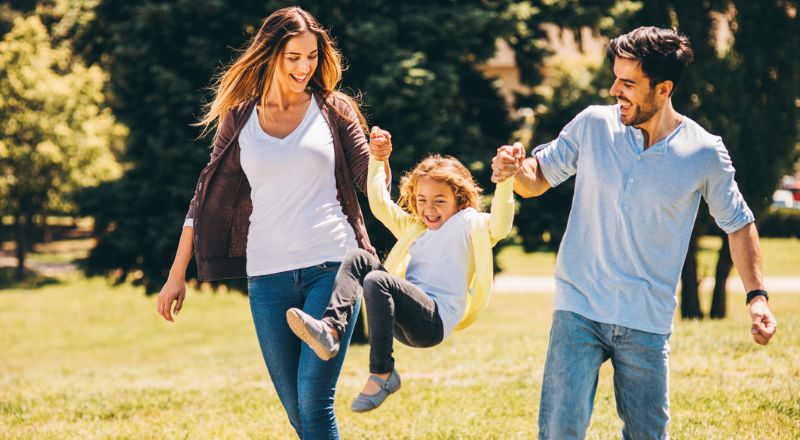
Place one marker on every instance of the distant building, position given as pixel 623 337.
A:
pixel 568 48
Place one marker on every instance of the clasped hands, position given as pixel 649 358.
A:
pixel 507 162
pixel 380 143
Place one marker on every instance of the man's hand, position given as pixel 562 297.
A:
pixel 380 144
pixel 764 324
pixel 507 162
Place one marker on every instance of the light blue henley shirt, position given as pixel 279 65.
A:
pixel 632 214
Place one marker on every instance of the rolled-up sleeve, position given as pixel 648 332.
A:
pixel 558 159
pixel 725 201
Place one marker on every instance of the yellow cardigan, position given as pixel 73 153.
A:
pixel 487 230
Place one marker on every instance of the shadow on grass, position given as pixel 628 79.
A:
pixel 31 280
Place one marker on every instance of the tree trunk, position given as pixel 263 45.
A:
pixel 724 264
pixel 20 238
pixel 690 283
pixel 47 230
pixel 30 230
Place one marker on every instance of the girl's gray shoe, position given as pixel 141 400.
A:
pixel 368 402
pixel 313 332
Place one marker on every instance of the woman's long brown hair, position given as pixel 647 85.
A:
pixel 251 74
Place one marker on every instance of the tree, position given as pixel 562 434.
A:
pixel 760 56
pixel 12 9
pixel 764 58
pixel 56 136
pixel 571 88
pixel 693 98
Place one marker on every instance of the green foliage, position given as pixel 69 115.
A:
pixel 744 90
pixel 57 137
pixel 542 224
pixel 415 62
pixel 160 57
pixel 12 9
pixel 781 223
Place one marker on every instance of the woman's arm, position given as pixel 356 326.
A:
pixel 174 290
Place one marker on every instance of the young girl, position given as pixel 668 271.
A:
pixel 435 280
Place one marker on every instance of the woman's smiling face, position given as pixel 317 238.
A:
pixel 297 63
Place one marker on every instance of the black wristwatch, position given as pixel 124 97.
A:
pixel 755 293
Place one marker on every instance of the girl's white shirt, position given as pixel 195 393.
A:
pixel 297 220
pixel 440 263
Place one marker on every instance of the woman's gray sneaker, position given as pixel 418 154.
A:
pixel 313 332
pixel 368 402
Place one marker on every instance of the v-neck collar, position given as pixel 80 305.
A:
pixel 309 110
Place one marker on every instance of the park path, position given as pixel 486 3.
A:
pixel 502 283
pixel 45 269
pixel 531 284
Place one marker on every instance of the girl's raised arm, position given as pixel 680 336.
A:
pixel 380 202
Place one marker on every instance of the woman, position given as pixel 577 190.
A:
pixel 277 202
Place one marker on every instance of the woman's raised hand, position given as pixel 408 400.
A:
pixel 380 143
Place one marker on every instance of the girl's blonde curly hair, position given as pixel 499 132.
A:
pixel 445 169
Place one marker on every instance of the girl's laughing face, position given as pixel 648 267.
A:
pixel 435 202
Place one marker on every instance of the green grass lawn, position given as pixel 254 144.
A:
pixel 781 258
pixel 84 360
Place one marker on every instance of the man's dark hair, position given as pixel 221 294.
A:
pixel 663 54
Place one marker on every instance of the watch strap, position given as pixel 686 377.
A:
pixel 754 293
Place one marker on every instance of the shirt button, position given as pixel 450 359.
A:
pixel 639 158
pixel 630 180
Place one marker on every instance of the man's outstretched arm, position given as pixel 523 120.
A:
pixel 746 255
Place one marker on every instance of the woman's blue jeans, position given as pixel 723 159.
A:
pixel 305 384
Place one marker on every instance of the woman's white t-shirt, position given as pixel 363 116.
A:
pixel 297 220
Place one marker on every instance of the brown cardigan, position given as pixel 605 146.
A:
pixel 221 205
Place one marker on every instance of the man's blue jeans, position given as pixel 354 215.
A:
pixel 305 384
pixel 578 347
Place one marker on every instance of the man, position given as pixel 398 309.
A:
pixel 641 169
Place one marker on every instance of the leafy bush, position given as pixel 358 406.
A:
pixel 782 223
